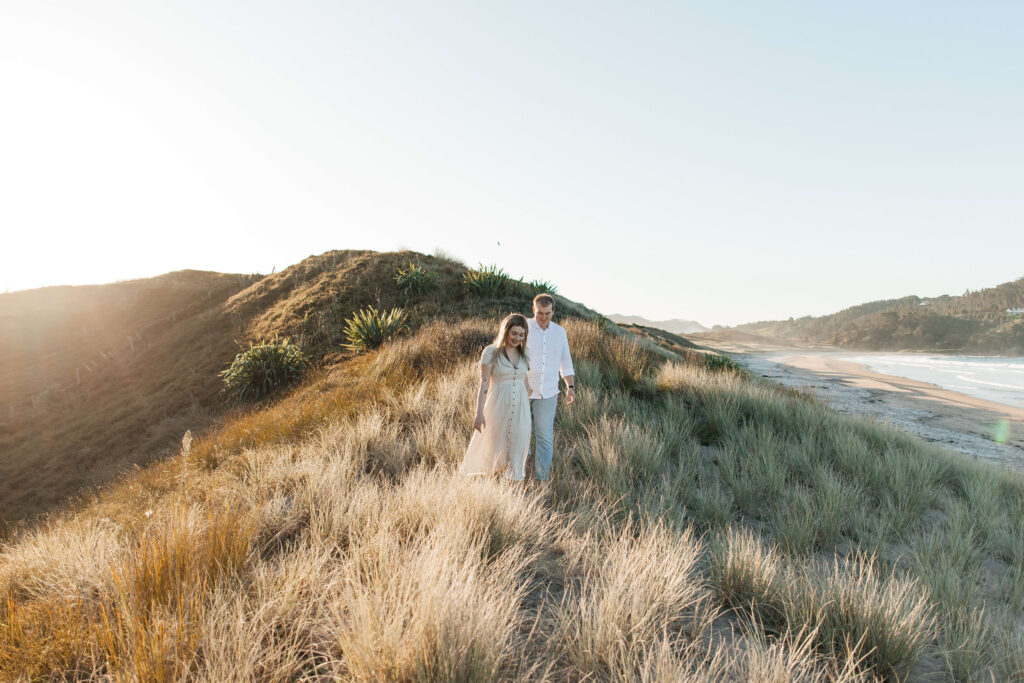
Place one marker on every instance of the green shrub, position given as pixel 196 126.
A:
pixel 488 281
pixel 416 279
pixel 369 328
pixel 262 369
pixel 543 286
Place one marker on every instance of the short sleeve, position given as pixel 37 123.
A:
pixel 488 356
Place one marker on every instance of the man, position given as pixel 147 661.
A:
pixel 548 347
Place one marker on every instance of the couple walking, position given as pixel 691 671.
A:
pixel 518 394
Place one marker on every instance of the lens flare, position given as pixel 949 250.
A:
pixel 1001 431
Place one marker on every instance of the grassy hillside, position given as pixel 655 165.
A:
pixel 96 380
pixel 703 525
pixel 976 322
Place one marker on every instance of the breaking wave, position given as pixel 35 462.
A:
pixel 994 379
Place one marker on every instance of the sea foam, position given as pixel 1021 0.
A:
pixel 996 379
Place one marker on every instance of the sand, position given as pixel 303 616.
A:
pixel 957 421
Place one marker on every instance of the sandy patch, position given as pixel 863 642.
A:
pixel 957 421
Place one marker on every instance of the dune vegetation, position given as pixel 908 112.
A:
pixel 96 380
pixel 702 525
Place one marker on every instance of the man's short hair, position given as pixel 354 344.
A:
pixel 544 300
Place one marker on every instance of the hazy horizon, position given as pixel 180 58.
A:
pixel 604 312
pixel 723 163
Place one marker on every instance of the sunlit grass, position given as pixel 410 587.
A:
pixel 702 526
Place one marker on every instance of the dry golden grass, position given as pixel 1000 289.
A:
pixel 635 588
pixel 326 536
pixel 136 400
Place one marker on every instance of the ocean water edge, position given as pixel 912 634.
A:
pixel 997 379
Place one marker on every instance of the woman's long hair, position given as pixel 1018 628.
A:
pixel 510 321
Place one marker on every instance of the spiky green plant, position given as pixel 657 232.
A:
pixel 416 279
pixel 543 286
pixel 487 281
pixel 262 369
pixel 368 328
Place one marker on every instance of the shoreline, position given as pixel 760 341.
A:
pixel 948 418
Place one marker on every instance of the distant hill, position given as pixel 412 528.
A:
pixel 675 326
pixel 976 322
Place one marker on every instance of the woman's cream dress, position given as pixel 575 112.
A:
pixel 503 443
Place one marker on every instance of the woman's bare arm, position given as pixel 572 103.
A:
pixel 485 382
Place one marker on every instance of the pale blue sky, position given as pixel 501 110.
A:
pixel 719 161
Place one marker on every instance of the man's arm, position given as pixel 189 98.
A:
pixel 568 373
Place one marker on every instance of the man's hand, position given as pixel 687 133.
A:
pixel 570 396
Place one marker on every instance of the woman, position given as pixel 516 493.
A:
pixel 501 429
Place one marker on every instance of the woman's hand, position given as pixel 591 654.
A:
pixel 481 398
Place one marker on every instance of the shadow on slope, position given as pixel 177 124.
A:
pixel 98 379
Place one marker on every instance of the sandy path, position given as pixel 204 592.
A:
pixel 949 418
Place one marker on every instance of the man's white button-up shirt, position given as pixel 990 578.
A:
pixel 549 358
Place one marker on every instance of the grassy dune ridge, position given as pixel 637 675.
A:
pixel 702 525
pixel 137 397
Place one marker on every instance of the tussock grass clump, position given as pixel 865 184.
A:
pixel 368 328
pixel 39 637
pixel 746 575
pixel 276 630
pixel 882 617
pixel 416 279
pixel 434 610
pixel 436 347
pixel 144 621
pixel 263 369
pixel 967 644
pixel 852 609
pixel 622 361
pixel 38 566
pixel 621 458
pixel 153 623
pixel 636 588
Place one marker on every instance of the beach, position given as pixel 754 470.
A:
pixel 968 424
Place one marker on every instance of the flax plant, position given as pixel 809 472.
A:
pixel 368 328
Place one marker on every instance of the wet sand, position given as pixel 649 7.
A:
pixel 949 418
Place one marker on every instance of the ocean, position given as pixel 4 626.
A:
pixel 1000 380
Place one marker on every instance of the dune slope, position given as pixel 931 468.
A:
pixel 702 525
